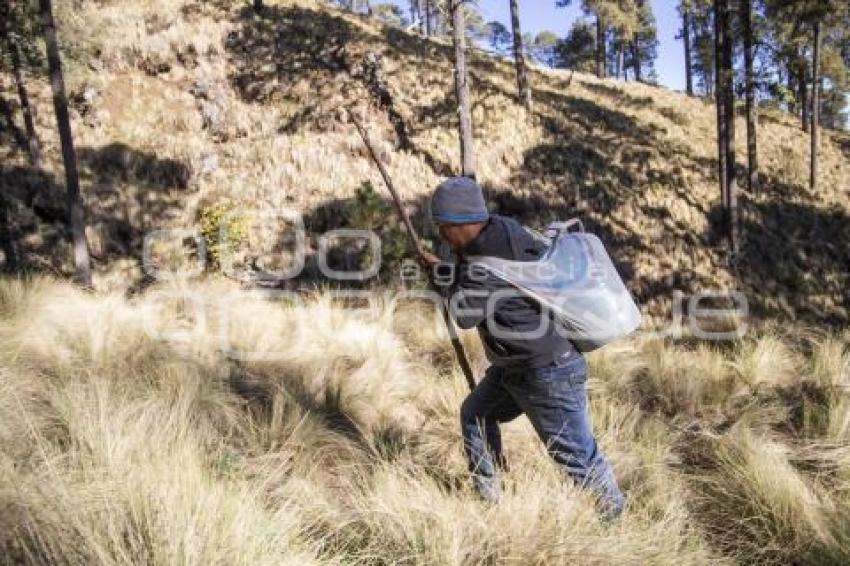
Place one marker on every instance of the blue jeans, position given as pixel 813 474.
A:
pixel 555 400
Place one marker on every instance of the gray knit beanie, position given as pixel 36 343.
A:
pixel 458 200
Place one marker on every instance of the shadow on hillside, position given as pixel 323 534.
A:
pixel 18 140
pixel 442 113
pixel 597 157
pixel 795 260
pixel 316 62
pixel 128 193
pixel 349 254
pixel 427 52
pixel 842 142
pixel 31 227
pixel 132 192
pixel 272 51
pixel 600 161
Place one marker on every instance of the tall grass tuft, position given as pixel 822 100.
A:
pixel 756 506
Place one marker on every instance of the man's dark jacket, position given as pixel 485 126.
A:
pixel 513 313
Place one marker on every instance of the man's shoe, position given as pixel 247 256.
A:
pixel 488 489
pixel 610 511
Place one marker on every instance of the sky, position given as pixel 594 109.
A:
pixel 538 15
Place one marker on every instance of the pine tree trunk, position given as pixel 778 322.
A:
pixel 729 115
pixel 76 213
pixel 720 108
pixel 792 88
pixel 7 239
pixel 621 58
pixel 636 58
pixel 467 146
pixel 33 144
pixel 636 47
pixel 803 97
pixel 428 29
pixel 813 180
pixel 523 88
pixel 752 109
pixel 711 86
pixel 686 37
pixel 600 47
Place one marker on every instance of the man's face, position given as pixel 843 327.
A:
pixel 458 235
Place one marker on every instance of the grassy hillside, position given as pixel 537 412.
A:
pixel 182 105
pixel 194 422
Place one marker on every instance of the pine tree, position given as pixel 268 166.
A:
pixel 499 37
pixel 720 103
pixel 625 26
pixel 704 62
pixel 816 41
pixel 685 36
pixel 543 48
pixel 645 42
pixel 798 28
pixel 727 73
pixel 523 88
pixel 76 213
pixel 10 37
pixel 601 9
pixel 601 40
pixel 467 145
pixel 750 94
pixel 636 54
pixel 577 51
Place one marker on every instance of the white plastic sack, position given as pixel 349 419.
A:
pixel 577 282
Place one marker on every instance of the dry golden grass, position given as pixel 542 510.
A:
pixel 759 506
pixel 130 436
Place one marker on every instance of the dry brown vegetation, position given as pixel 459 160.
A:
pixel 131 437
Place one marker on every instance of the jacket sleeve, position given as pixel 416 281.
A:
pixel 468 299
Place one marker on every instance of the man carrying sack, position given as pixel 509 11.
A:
pixel 534 370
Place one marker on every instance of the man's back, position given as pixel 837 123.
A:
pixel 517 333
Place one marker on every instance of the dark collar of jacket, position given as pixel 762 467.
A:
pixel 493 240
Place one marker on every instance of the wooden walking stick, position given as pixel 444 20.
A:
pixel 462 360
